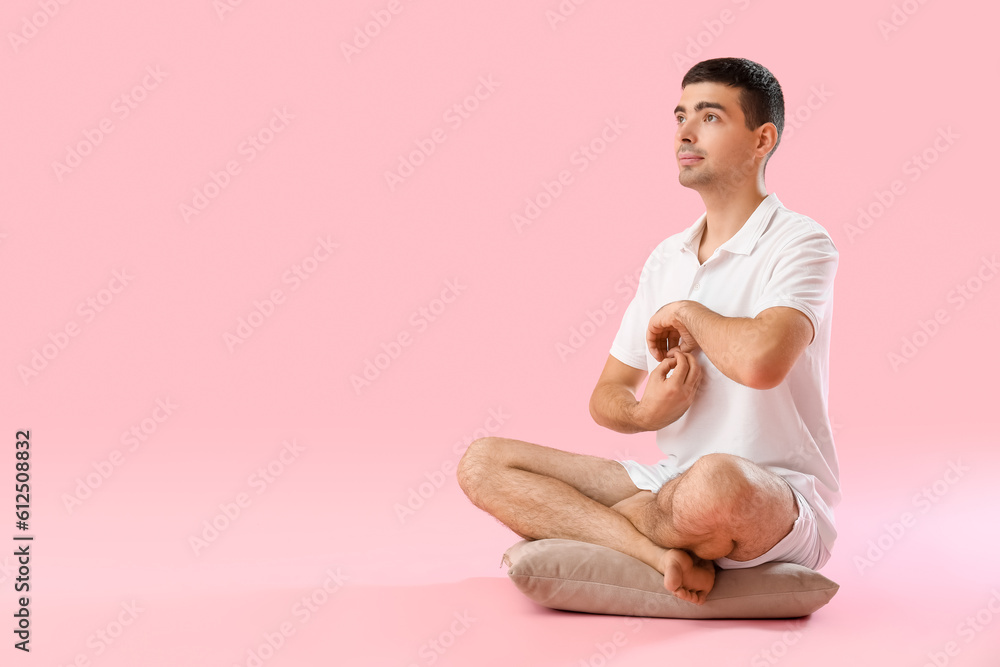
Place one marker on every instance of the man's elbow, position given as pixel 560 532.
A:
pixel 765 374
pixel 601 409
pixel 595 412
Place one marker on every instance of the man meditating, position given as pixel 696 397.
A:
pixel 731 322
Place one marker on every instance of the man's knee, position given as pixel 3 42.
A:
pixel 719 465
pixel 719 483
pixel 731 496
pixel 476 464
pixel 704 502
pixel 737 484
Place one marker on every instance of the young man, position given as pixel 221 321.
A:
pixel 731 321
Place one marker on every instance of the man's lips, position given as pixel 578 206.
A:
pixel 689 158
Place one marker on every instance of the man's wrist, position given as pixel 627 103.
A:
pixel 684 311
pixel 637 416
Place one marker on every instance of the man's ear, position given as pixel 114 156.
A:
pixel 767 138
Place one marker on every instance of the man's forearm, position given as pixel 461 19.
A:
pixel 614 406
pixel 734 345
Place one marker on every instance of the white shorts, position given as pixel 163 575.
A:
pixel 802 545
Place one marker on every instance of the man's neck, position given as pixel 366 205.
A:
pixel 726 213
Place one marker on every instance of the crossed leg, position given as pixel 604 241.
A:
pixel 722 506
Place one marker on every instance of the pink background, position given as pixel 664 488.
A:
pixel 860 105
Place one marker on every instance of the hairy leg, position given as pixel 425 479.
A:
pixel 540 492
pixel 723 505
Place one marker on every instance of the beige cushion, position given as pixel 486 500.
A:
pixel 577 576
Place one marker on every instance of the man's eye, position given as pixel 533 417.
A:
pixel 711 115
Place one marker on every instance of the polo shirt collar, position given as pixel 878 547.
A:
pixel 744 240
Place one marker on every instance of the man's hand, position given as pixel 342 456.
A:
pixel 667 398
pixel 666 332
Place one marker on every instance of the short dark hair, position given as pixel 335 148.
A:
pixel 760 93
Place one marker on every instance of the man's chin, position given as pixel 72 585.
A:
pixel 691 181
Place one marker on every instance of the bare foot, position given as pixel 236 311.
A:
pixel 688 577
pixel 685 575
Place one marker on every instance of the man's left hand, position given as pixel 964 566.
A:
pixel 666 331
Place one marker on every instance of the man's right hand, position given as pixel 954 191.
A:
pixel 667 398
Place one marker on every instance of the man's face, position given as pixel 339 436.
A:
pixel 710 126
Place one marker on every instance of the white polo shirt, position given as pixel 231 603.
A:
pixel 778 258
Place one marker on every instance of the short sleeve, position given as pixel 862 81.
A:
pixel 802 278
pixel 629 346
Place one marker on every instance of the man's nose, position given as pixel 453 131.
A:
pixel 686 137
pixel 685 134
